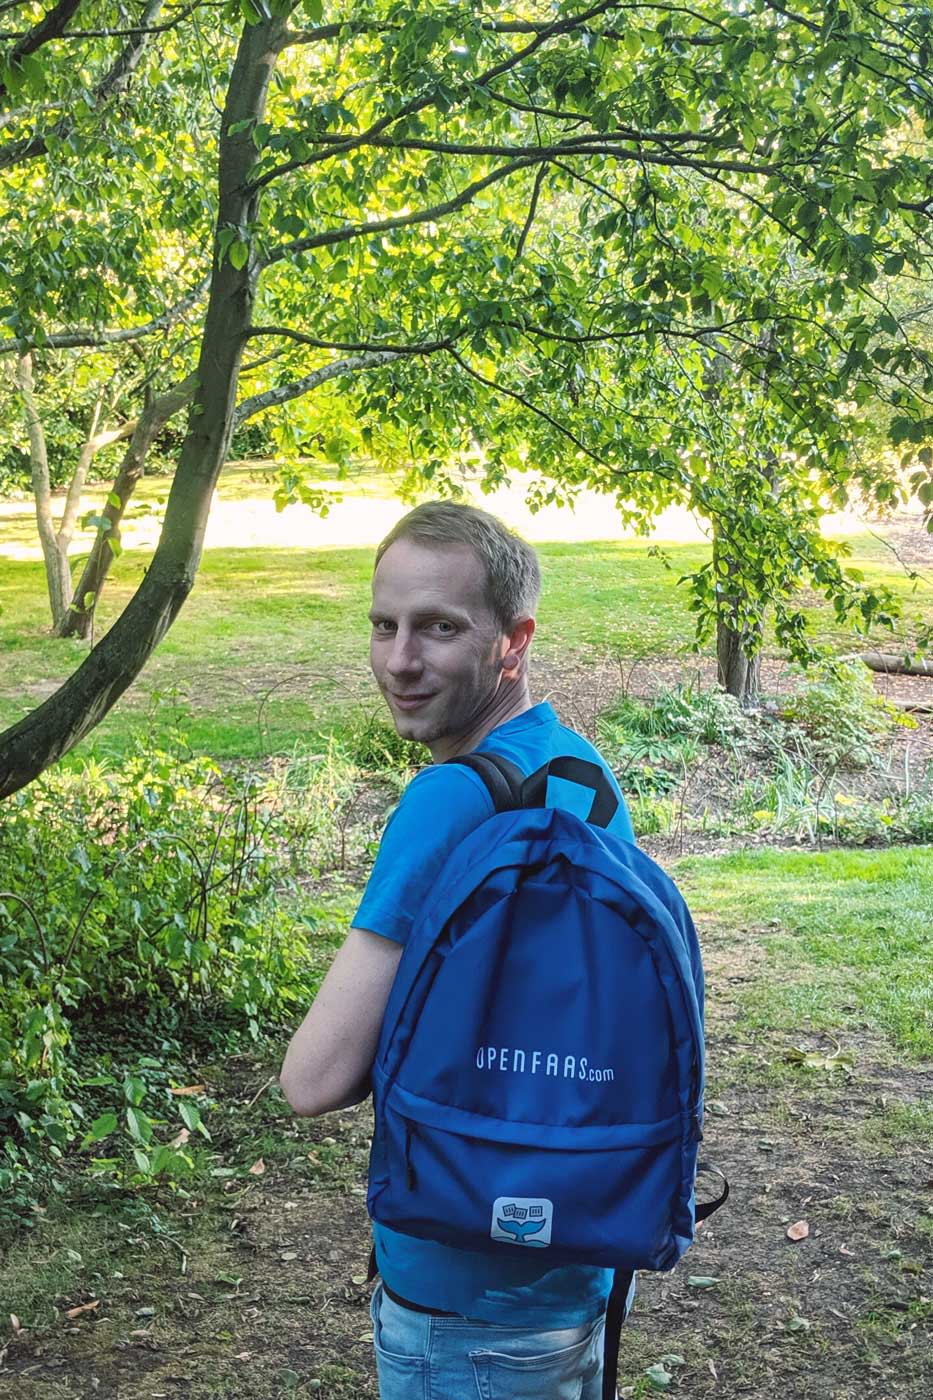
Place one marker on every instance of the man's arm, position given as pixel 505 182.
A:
pixel 328 1062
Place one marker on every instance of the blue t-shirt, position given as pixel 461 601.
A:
pixel 441 806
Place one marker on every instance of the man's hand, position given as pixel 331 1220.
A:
pixel 328 1062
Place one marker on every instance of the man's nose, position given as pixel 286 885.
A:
pixel 404 656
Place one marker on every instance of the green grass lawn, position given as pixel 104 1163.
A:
pixel 272 643
pixel 847 937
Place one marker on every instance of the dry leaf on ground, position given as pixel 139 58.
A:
pixel 799 1230
pixel 84 1307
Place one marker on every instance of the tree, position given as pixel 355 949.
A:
pixel 380 207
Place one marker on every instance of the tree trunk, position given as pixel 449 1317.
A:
pixel 895 665
pixel 738 646
pixel 79 618
pixel 739 673
pixel 54 549
pixel 85 698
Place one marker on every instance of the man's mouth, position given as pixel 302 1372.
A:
pixel 408 702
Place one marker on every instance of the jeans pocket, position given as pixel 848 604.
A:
pixel 534 1371
pixel 401 1351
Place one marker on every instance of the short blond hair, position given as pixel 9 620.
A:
pixel 513 575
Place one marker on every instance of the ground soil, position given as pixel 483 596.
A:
pixel 273 1303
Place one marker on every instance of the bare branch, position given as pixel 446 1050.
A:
pixel 286 392
pixel 357 347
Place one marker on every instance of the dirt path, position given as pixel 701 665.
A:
pixel 269 1307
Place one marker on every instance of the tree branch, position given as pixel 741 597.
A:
pixel 113 82
pixel 71 340
pixel 532 208
pixel 532 408
pixel 419 104
pixel 286 392
pixel 50 27
pixel 437 211
pixel 131 30
pixel 356 347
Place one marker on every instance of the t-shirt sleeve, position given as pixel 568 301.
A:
pixel 438 809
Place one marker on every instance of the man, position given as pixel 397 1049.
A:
pixel 453 609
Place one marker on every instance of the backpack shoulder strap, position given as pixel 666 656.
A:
pixel 502 779
pixel 582 772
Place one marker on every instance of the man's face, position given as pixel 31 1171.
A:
pixel 436 647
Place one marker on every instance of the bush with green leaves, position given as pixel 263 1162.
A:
pixel 146 896
pixel 842 714
pixel 366 740
pixel 652 744
pixel 330 797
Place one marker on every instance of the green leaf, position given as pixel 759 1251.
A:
pixel 239 254
pixel 139 1124
pixel 134 1090
pixel 101 1127
pixel 659 1378
pixel 191 1117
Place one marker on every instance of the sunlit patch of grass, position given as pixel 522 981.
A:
pixel 272 644
pixel 847 934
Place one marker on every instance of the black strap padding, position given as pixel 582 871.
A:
pixel 702 1212
pixel 575 770
pixel 615 1317
pixel 502 779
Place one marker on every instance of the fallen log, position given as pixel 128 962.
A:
pixel 895 665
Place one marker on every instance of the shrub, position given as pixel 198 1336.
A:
pixel 367 741
pixel 842 714
pixel 710 716
pixel 148 897
pixel 652 744
pixel 652 816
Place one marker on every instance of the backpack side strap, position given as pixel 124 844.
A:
pixel 502 779
pixel 703 1211
pixel 615 1317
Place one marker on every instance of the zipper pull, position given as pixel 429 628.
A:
pixel 409 1168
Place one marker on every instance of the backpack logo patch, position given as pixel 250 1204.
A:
pixel 522 1220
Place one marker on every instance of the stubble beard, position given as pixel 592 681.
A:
pixel 457 715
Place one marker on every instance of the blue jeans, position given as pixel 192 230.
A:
pixel 420 1357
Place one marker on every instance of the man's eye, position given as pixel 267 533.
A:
pixel 383 626
pixel 446 629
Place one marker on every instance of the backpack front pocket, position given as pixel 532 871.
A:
pixel 482 1184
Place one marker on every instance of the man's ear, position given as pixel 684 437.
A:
pixel 517 643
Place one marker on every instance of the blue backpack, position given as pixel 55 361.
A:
pixel 538 1082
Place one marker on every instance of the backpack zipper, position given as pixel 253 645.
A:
pixel 409 1168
